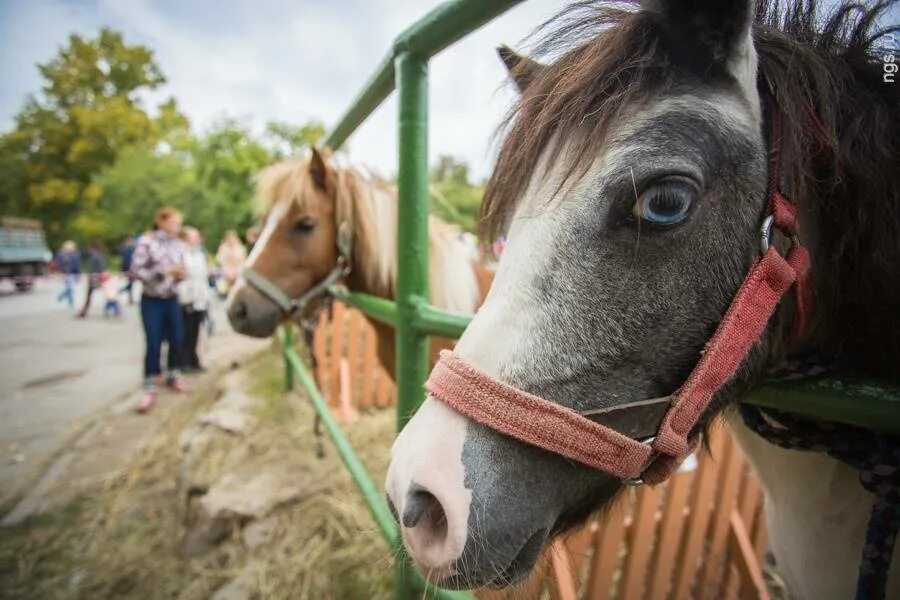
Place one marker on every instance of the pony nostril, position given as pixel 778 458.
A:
pixel 425 511
pixel 239 310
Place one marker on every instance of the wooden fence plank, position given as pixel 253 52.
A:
pixel 337 347
pixel 579 545
pixel 608 542
pixel 671 531
pixel 746 562
pixel 383 381
pixel 354 360
pixel 730 472
pixel 563 586
pixel 697 522
pixel 368 367
pixel 640 543
pixel 745 508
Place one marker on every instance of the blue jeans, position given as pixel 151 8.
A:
pixel 70 280
pixel 162 320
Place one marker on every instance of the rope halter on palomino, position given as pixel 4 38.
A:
pixel 646 441
pixel 291 306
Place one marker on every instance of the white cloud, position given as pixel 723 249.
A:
pixel 289 60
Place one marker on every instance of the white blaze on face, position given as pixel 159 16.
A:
pixel 429 451
pixel 272 220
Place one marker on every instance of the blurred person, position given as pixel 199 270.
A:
pixel 96 259
pixel 68 262
pixel 230 257
pixel 158 262
pixel 194 295
pixel 126 252
pixel 110 285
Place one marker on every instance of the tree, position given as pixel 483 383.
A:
pixel 226 159
pixel 140 181
pixel 288 140
pixel 453 197
pixel 87 112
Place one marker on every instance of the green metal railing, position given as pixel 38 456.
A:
pixel 414 319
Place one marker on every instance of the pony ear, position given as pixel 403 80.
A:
pixel 319 168
pixel 701 34
pixel 522 69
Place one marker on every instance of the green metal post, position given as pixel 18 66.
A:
pixel 412 248
pixel 288 342
pixel 412 232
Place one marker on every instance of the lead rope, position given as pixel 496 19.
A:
pixel 877 458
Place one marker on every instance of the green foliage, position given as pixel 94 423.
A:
pixel 141 180
pixel 89 161
pixel 225 161
pixel 87 113
pixel 290 140
pixel 453 197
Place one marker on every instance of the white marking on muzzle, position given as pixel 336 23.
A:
pixel 429 455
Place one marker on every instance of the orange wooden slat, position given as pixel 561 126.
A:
pixel 321 351
pixel 733 579
pixel 608 541
pixel 381 399
pixel 640 543
pixel 337 351
pixel 671 531
pixel 729 478
pixel 368 367
pixel 760 534
pixel 696 528
pixel 753 586
pixel 745 507
pixel 579 543
pixel 564 586
pixel 352 353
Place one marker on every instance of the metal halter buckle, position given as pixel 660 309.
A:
pixel 639 480
pixel 765 235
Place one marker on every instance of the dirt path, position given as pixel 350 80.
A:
pixel 67 388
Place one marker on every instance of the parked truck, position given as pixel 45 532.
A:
pixel 23 251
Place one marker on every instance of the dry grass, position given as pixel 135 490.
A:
pixel 122 539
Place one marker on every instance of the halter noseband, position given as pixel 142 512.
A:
pixel 646 441
pixel 292 306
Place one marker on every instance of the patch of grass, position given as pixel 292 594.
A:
pixel 122 539
pixel 267 383
pixel 33 551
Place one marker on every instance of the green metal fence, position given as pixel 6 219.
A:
pixel 406 68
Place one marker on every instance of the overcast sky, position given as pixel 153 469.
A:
pixel 288 60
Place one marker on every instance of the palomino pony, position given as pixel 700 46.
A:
pixel 306 202
pixel 634 181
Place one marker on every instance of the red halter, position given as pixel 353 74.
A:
pixel 563 431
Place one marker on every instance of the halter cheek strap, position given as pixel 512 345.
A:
pixel 290 306
pixel 601 438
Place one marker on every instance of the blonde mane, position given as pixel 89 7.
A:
pixel 369 205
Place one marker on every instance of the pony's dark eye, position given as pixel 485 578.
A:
pixel 666 202
pixel 305 225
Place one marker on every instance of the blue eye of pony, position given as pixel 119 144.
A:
pixel 665 203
